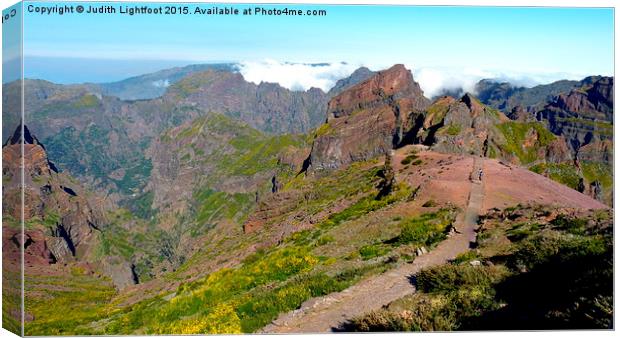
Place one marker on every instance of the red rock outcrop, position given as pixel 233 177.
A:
pixel 60 215
pixel 368 119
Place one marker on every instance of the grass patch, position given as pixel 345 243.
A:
pixel 373 250
pixel 55 314
pixel 453 129
pixel 516 135
pixel 563 173
pixel 427 229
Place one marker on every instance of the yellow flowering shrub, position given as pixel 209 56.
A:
pixel 222 320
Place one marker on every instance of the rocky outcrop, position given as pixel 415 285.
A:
pixel 368 120
pixel 505 96
pixel 54 205
pixel 464 126
pixel 599 152
pixel 518 113
pixel 36 250
pixel 595 162
pixel 120 271
pixel 583 115
pixel 106 133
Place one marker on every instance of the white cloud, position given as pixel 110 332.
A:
pixel 296 76
pixel 434 80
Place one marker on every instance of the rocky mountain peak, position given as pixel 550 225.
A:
pixel 359 75
pixel 392 84
pixel 583 115
pixel 17 137
pixel 368 119
pixel 473 104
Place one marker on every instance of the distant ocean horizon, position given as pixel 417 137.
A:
pixel 63 70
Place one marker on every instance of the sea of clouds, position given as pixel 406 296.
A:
pixel 296 76
pixel 433 80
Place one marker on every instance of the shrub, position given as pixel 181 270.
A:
pixel 465 257
pixel 325 239
pixel 420 313
pixel 576 226
pixel 453 129
pixel 223 319
pixel 449 277
pixel 262 306
pixel 426 229
pixel 371 251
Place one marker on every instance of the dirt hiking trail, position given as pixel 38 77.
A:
pixel 327 313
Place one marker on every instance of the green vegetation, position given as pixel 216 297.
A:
pixel 88 153
pixel 55 313
pixel 594 171
pixel 569 175
pixel 453 129
pixel 245 151
pixel 564 173
pixel 602 173
pixel 246 297
pixel 321 192
pixel 363 207
pixel 141 243
pixel 324 129
pixel 11 296
pixel 191 84
pixel 212 206
pixel 68 108
pixel 373 250
pixel 437 112
pixel 412 159
pixel 533 274
pixel 602 127
pixel 86 101
pixel 240 299
pixel 426 229
pixel 523 140
pixel 142 206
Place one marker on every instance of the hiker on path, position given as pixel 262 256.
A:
pixel 480 175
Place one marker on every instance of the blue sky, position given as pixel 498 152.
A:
pixel 526 41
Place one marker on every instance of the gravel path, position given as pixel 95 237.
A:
pixel 327 313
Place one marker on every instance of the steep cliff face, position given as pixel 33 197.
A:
pixel 584 118
pixel 65 225
pixel 368 119
pixel 583 115
pixel 54 205
pixel 506 96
